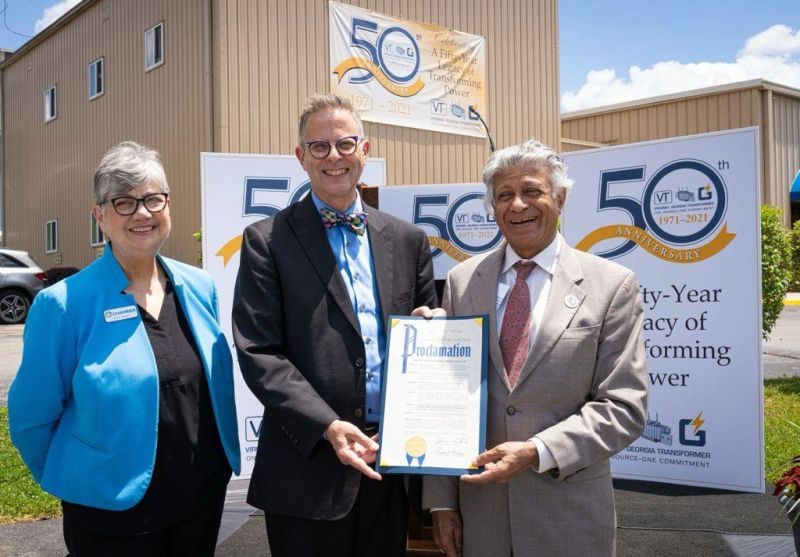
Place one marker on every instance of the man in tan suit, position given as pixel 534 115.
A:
pixel 568 379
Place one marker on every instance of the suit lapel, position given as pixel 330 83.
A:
pixel 558 313
pixel 307 226
pixel 381 245
pixel 484 301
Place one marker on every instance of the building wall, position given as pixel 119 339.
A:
pixel 784 157
pixel 776 115
pixel 270 56
pixel 258 60
pixel 49 166
pixel 729 110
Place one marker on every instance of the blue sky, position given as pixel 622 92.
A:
pixel 614 50
pixel 707 41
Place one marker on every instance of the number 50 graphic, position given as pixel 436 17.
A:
pixel 682 204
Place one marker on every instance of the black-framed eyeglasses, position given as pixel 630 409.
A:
pixel 126 205
pixel 344 146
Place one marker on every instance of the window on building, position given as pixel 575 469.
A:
pixel 50 104
pixel 51 236
pixel 96 79
pixel 154 46
pixel 97 238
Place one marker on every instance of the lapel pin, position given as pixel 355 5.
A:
pixel 571 301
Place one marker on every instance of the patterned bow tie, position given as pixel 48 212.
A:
pixel 357 222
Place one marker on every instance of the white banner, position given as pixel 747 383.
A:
pixel 238 190
pixel 453 216
pixel 407 73
pixel 683 213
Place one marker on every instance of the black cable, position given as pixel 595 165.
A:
pixel 5 23
pixel 488 133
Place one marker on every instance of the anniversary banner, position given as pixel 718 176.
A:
pixel 407 73
pixel 238 190
pixel 683 214
pixel 453 216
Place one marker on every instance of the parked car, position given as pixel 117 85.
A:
pixel 20 279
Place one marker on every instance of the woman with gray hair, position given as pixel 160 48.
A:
pixel 123 405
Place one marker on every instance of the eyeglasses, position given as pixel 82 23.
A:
pixel 126 205
pixel 344 146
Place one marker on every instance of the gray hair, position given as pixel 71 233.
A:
pixel 328 101
pixel 127 166
pixel 534 153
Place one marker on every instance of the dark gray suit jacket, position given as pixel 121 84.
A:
pixel 301 353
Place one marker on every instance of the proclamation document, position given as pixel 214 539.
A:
pixel 433 409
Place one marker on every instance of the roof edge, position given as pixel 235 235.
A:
pixel 749 84
pixel 582 142
pixel 45 33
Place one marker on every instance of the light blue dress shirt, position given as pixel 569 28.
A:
pixel 354 261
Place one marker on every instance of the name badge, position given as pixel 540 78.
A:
pixel 118 314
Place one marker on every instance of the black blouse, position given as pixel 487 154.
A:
pixel 189 453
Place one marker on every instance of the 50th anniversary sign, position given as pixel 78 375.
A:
pixel 683 214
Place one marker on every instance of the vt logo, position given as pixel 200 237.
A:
pixel 252 428
pixel 438 107
pixel 698 435
pixel 663 196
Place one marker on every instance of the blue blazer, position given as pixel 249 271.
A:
pixel 83 408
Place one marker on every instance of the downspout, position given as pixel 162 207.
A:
pixel 774 193
pixel 2 156
pixel 208 76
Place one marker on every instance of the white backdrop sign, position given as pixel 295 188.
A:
pixel 238 190
pixel 407 73
pixel 453 216
pixel 683 214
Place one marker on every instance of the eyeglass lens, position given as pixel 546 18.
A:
pixel 155 202
pixel 321 149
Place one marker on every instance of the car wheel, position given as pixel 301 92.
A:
pixel 14 307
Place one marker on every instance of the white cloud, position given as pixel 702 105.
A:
pixel 52 13
pixel 776 40
pixel 773 54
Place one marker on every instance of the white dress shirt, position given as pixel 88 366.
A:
pixel 539 287
pixel 538 282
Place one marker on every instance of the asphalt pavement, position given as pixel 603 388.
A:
pixel 653 519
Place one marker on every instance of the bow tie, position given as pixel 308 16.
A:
pixel 357 222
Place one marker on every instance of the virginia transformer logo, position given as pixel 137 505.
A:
pixel 680 217
pixel 391 56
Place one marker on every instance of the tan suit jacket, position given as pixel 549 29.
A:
pixel 582 391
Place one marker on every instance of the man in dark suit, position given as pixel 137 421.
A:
pixel 315 285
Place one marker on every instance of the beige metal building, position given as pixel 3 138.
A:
pixel 186 76
pixel 775 109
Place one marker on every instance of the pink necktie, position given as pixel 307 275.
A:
pixel 517 323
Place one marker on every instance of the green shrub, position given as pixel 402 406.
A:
pixel 776 256
pixel 198 237
pixel 794 284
